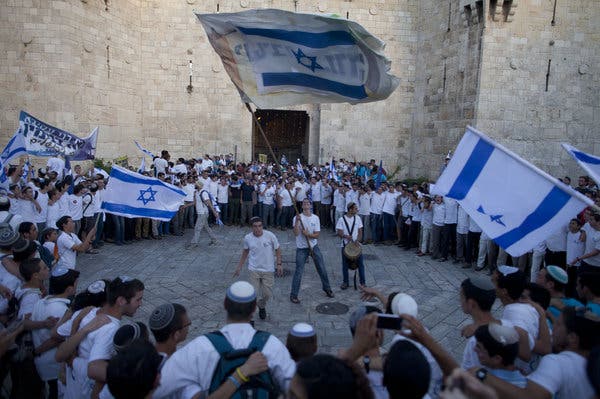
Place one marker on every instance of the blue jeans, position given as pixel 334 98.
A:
pixel 223 214
pixel 99 229
pixel 163 228
pixel 389 226
pixel 268 215
pixel 301 255
pixel 119 222
pixel 376 227
pixel 361 269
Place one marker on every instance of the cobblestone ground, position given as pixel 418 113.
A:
pixel 197 278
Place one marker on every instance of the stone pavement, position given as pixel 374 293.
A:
pixel 197 278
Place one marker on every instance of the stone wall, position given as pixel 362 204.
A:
pixel 516 106
pixel 124 66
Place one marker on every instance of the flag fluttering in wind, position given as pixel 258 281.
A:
pixel 145 151
pixel 278 58
pixel 133 195
pixel 379 175
pixel 14 148
pixel 590 163
pixel 515 203
pixel 300 169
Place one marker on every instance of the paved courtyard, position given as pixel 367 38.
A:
pixel 197 278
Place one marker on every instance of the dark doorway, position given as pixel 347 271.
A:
pixel 287 131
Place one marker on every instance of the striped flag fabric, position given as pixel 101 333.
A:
pixel 142 149
pixel 515 203
pixel 14 148
pixel 300 169
pixel 133 195
pixel 590 163
pixel 278 58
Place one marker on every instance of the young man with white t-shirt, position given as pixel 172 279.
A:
pixel 349 228
pixel 591 256
pixel 260 249
pixel 69 244
pixel 203 204
pixel 307 228
pixel 63 283
pixel 95 348
pixel 561 375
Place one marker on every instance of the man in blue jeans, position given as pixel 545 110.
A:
pixel 349 228
pixel 307 227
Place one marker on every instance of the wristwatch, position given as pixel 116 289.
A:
pixel 481 374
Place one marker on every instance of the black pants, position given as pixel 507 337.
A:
pixel 558 258
pixel 448 242
pixel 472 246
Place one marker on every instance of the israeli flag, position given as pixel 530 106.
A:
pixel 278 58
pixel 142 149
pixel 130 194
pixel 300 169
pixel 590 163
pixel 14 148
pixel 516 204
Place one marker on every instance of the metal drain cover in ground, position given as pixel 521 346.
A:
pixel 332 308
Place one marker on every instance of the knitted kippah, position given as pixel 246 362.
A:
pixel 97 287
pixel 404 304
pixel 241 292
pixel 7 235
pixel 161 316
pixel 302 330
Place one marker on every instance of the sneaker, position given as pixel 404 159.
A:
pixel 213 243
pixel 262 313
pixel 294 299
pixel 329 293
pixel 344 286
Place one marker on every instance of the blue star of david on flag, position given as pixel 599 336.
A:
pixel 300 57
pixel 493 218
pixel 147 195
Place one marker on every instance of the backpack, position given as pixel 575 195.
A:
pixel 260 386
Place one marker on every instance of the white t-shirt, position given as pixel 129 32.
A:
pixel 339 201
pixel 315 190
pixel 462 224
pixel 451 214
pixel 575 247
pixel 67 255
pixel 27 298
pixel 592 242
pixel 201 206
pixel 262 249
pixel 426 218
pixel 194 364
pixel 557 242
pixel 286 200
pixel 364 204
pixel 390 202
pixel 54 213
pixel 524 316
pixel 326 194
pixel 340 225
pixel 377 203
pixel 47 367
pixel 299 191
pixel 222 194
pixel 563 375
pixel 269 196
pixel 57 165
pixel 160 165
pixel 75 207
pixel 42 200
pixel 439 214
pixel 27 210
pixel 470 358
pixel 312 224
pixel 11 282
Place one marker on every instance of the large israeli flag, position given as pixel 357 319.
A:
pixel 14 148
pixel 590 163
pixel 515 203
pixel 278 58
pixel 133 195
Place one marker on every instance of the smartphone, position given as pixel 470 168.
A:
pixel 389 322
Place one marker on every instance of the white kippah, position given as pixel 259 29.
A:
pixel 506 270
pixel 59 271
pixel 404 304
pixel 241 292
pixel 558 274
pixel 97 287
pixel 302 330
pixel 504 335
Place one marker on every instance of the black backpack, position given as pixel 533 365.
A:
pixel 260 386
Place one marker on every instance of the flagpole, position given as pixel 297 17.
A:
pixel 262 132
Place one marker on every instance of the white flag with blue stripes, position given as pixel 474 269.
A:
pixel 590 163
pixel 514 203
pixel 133 195
pixel 14 148
pixel 277 58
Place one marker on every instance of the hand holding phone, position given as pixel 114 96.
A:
pixel 389 322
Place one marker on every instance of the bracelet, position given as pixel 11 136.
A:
pixel 241 375
pixel 235 381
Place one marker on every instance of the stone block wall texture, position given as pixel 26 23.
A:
pixel 124 66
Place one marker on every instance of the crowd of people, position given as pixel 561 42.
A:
pixel 58 341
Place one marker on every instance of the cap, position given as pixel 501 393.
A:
pixel 7 235
pixel 161 316
pixel 241 292
pixel 482 283
pixel 59 271
pixel 557 274
pixel 404 304
pixel 97 287
pixel 507 270
pixel 504 335
pixel 302 330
